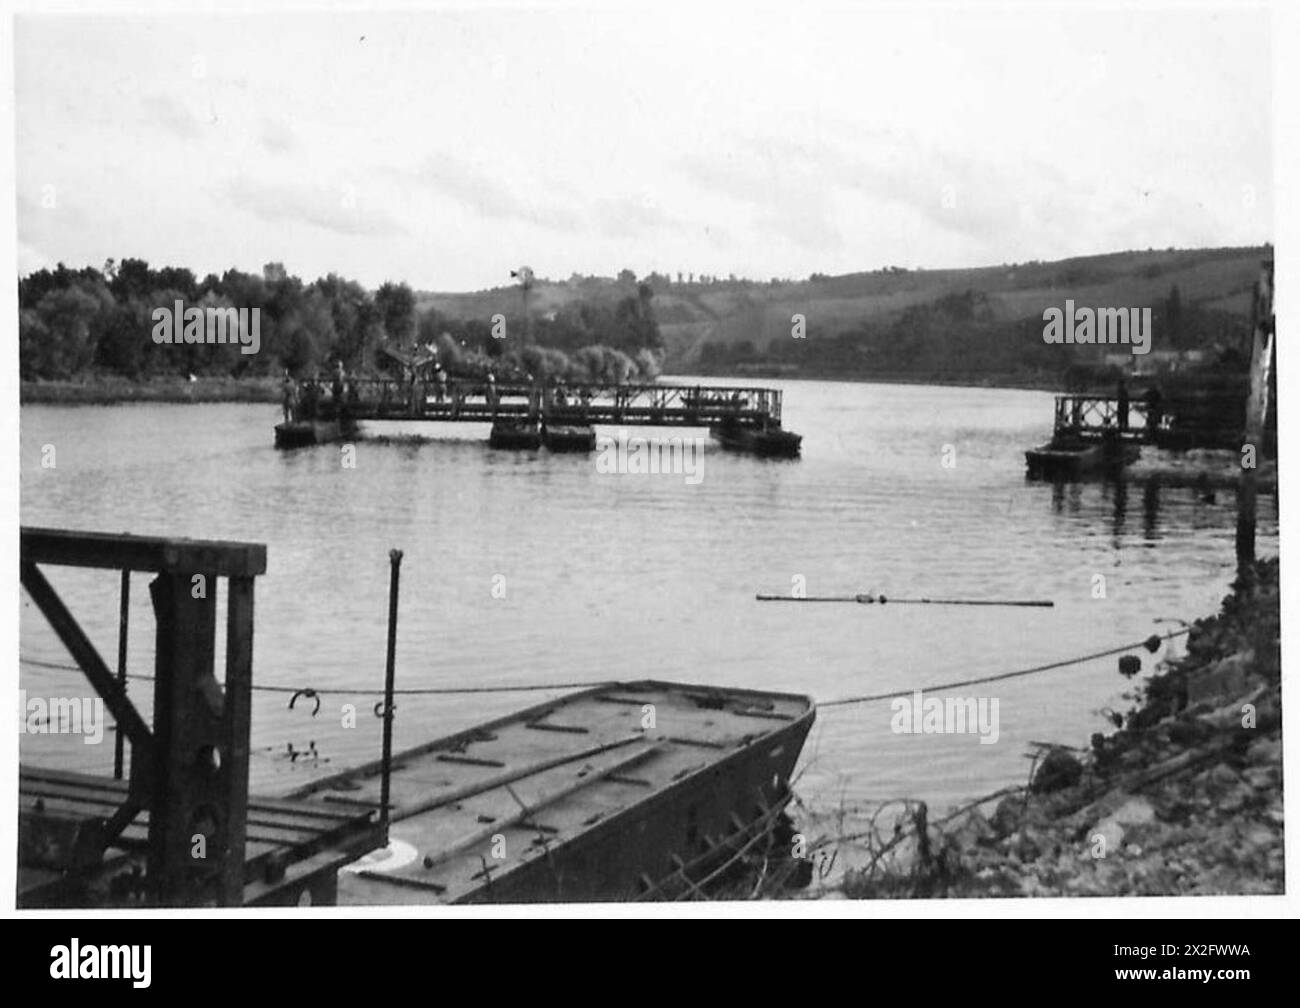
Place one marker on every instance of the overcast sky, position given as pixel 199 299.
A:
pixel 445 148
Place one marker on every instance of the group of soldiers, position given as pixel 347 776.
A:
pixel 315 397
pixel 303 400
pixel 423 375
pixel 1152 400
pixel 697 400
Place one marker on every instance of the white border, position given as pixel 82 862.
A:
pixel 1286 125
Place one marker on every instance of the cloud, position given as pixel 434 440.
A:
pixel 966 195
pixel 475 188
pixel 36 218
pixel 278 137
pixel 335 211
pixel 629 216
pixel 802 181
pixel 31 259
pixel 786 199
pixel 172 116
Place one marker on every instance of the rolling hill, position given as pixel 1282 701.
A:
pixel 705 324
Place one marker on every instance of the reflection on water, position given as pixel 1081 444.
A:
pixel 605 576
pixel 1071 498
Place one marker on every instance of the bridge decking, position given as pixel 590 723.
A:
pixel 460 401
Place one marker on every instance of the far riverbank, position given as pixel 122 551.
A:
pixel 108 390
pixel 1008 380
pixel 111 390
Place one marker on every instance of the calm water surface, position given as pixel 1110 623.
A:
pixel 626 576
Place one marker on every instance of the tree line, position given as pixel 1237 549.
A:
pixel 962 335
pixel 78 323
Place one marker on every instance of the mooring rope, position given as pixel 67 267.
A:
pixel 1150 643
pixel 309 692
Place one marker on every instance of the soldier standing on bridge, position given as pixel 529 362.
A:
pixel 311 396
pixel 289 388
pixel 534 396
pixel 339 388
pixel 1121 404
pixel 1154 403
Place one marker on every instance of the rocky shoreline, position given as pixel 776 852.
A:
pixel 1184 798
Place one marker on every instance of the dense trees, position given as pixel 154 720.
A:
pixel 961 336
pixel 78 322
pixel 395 304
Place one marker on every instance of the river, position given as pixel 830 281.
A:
pixel 541 568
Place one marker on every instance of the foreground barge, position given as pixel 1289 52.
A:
pixel 621 791
pixel 616 793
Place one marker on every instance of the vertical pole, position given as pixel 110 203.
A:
pixel 395 570
pixel 188 797
pixel 237 719
pixel 1256 411
pixel 123 613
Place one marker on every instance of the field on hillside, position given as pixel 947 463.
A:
pixel 729 313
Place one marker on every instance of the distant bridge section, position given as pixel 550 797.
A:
pixel 458 400
pixel 1094 418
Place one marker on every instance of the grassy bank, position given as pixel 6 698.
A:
pixel 110 390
